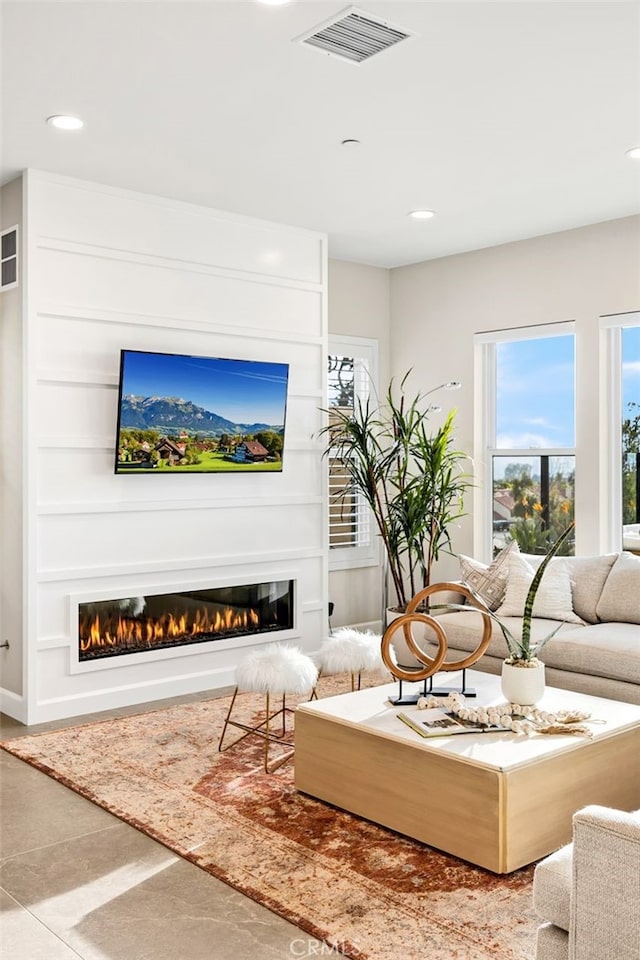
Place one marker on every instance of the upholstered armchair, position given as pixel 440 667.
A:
pixel 588 893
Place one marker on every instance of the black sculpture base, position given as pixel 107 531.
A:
pixel 428 689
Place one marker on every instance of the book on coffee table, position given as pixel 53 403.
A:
pixel 440 723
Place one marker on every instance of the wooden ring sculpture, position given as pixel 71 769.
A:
pixel 433 664
pixel 474 601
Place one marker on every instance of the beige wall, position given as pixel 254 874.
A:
pixel 359 307
pixel 579 275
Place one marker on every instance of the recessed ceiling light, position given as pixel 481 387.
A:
pixel 62 122
pixel 274 3
pixel 634 153
pixel 350 142
pixel 422 214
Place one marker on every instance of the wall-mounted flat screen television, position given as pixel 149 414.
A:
pixel 182 414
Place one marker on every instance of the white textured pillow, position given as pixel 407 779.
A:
pixel 588 576
pixel 553 599
pixel 488 581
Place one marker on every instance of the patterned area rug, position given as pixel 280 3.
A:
pixel 368 892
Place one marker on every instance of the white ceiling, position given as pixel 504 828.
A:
pixel 510 119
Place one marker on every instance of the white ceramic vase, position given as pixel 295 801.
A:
pixel 524 685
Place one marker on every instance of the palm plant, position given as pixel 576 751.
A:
pixel 411 479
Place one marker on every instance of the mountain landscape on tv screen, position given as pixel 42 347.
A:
pixel 173 415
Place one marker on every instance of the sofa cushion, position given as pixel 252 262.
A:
pixel 552 943
pixel 465 629
pixel 552 887
pixel 620 598
pixel 488 581
pixel 587 575
pixel 610 650
pixel 553 600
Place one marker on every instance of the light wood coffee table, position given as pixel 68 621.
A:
pixel 495 799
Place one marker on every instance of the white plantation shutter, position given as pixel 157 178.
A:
pixel 9 258
pixel 352 373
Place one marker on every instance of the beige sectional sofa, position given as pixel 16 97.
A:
pixel 598 653
pixel 587 893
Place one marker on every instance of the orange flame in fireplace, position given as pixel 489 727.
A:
pixel 127 632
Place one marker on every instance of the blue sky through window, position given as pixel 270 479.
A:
pixel 630 369
pixel 535 393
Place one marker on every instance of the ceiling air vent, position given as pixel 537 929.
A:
pixel 354 36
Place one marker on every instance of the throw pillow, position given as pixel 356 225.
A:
pixel 620 598
pixel 588 576
pixel 553 599
pixel 488 581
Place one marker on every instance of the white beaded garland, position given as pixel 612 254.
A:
pixel 516 717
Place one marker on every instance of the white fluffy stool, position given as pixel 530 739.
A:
pixel 274 671
pixel 350 651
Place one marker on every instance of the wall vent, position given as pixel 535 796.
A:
pixel 354 36
pixel 9 258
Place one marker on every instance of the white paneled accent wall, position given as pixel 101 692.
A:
pixel 110 270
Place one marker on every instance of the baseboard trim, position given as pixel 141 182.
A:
pixel 13 705
pixel 96 701
pixel 374 626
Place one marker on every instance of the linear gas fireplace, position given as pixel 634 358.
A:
pixel 114 628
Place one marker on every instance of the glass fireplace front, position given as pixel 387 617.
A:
pixel 110 628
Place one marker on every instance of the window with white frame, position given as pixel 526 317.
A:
pixel 528 436
pixel 352 376
pixel 621 387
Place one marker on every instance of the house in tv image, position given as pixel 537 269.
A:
pixel 141 455
pixel 170 451
pixel 250 451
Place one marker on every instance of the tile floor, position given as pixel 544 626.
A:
pixel 76 882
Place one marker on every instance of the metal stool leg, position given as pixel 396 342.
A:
pixel 261 729
pixel 226 721
pixel 266 736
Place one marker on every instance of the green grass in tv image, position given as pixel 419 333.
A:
pixel 148 451
pixel 214 463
